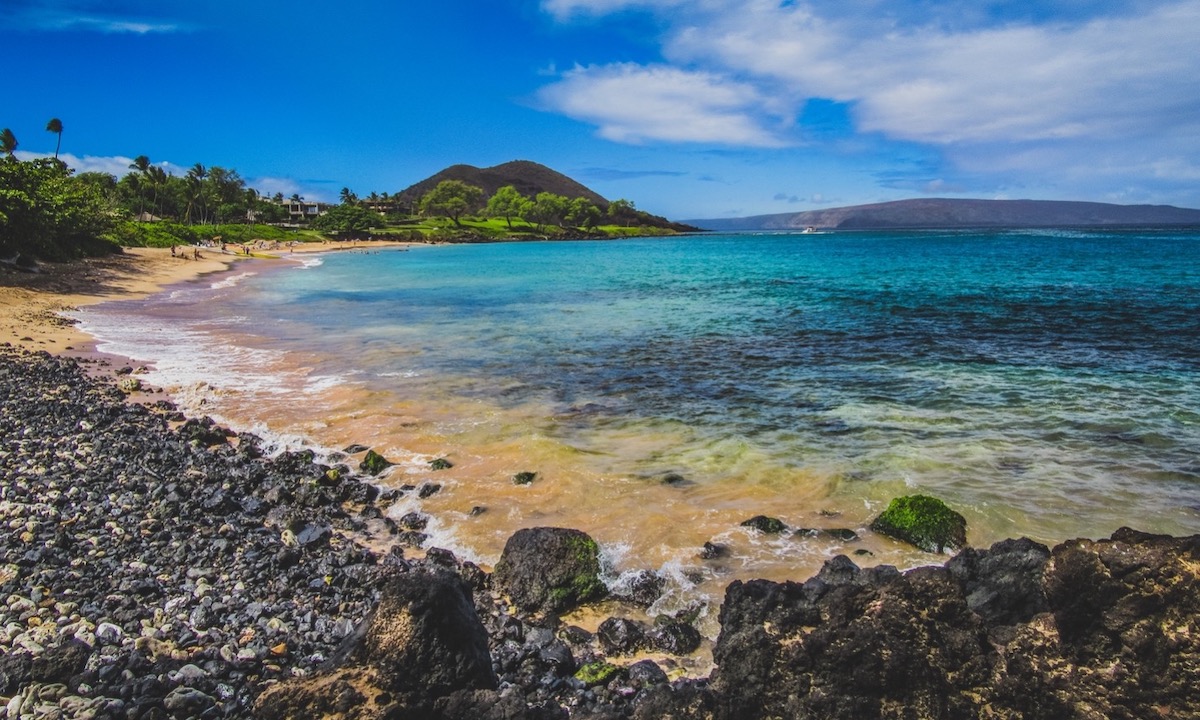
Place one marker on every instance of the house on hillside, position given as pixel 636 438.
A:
pixel 303 211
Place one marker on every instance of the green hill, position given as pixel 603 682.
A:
pixel 529 178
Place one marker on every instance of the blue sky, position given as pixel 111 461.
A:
pixel 690 108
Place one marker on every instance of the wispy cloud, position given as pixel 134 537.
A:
pixel 633 104
pixel 563 9
pixel 600 173
pixel 89 16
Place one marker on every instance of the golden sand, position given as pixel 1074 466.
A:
pixel 32 303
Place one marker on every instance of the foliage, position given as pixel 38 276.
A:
pixel 47 213
pixel 55 126
pixel 550 208
pixel 347 221
pixel 923 521
pixel 508 203
pixel 166 234
pixel 583 213
pixel 8 142
pixel 452 199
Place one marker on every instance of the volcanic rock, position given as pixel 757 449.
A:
pixel 550 569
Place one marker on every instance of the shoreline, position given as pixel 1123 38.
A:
pixel 1031 629
pixel 31 303
pixel 126 596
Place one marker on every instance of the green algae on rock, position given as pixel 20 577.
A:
pixel 374 463
pixel 597 673
pixel 524 478
pixel 550 569
pixel 440 464
pixel 764 524
pixel 923 521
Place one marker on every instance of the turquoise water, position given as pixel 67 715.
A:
pixel 1044 383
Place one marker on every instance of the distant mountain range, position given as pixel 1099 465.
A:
pixel 529 178
pixel 940 213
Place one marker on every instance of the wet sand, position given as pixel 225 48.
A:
pixel 32 303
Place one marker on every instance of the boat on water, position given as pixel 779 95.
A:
pixel 810 230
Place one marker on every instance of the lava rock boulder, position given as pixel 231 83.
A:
pixel 550 570
pixel 424 641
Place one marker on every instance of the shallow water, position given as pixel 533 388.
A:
pixel 1043 383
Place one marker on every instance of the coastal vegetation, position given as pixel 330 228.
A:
pixel 50 212
pixel 46 212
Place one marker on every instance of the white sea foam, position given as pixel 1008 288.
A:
pixel 231 281
pixel 440 527
pixel 194 365
pixel 307 263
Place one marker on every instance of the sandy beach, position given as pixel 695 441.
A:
pixel 31 304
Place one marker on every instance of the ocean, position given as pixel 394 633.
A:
pixel 1044 383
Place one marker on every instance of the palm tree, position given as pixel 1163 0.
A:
pixel 141 163
pixel 251 205
pixel 55 126
pixel 194 191
pixel 348 197
pixel 158 178
pixel 197 174
pixel 8 142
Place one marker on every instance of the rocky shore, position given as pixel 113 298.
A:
pixel 155 566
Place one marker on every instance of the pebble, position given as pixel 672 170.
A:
pixel 161 567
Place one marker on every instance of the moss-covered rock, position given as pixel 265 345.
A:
pixel 764 524
pixel 524 478
pixel 374 463
pixel 440 464
pixel 597 673
pixel 923 521
pixel 550 569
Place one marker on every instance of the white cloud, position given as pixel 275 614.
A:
pixel 1103 78
pixel 633 103
pixel 1068 89
pixel 116 165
